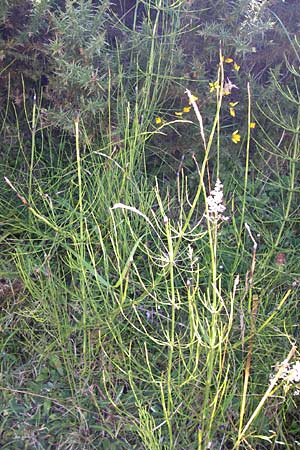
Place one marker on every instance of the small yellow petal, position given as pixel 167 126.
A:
pixel 158 120
pixel 236 67
pixel 236 137
pixel 179 114
pixel 252 124
pixel 193 99
pixel 233 104
pixel 213 86
pixel 186 109
pixel 232 112
pixel 229 60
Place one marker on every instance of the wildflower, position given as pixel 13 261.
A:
pixel 236 67
pixel 290 374
pixel 229 60
pixel 252 125
pixel 186 109
pixel 236 137
pixel 231 108
pixel 192 99
pixel 178 114
pixel 215 204
pixel 158 120
pixel 213 86
pixel 228 86
pixel 294 374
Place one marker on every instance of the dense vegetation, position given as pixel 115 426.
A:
pixel 149 224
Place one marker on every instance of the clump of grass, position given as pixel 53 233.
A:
pixel 144 320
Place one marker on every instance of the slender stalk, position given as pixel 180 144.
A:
pixel 32 155
pixel 253 303
pixel 171 340
pixel 81 252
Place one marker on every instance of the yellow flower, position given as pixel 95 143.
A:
pixel 236 137
pixel 179 114
pixel 228 60
pixel 158 120
pixel 252 124
pixel 193 99
pixel 231 108
pixel 236 67
pixel 186 109
pixel 213 86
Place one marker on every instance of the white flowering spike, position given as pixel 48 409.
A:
pixel 294 373
pixel 290 374
pixel 215 204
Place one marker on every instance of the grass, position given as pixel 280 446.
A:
pixel 133 315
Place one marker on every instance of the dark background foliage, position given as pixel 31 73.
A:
pixel 70 52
